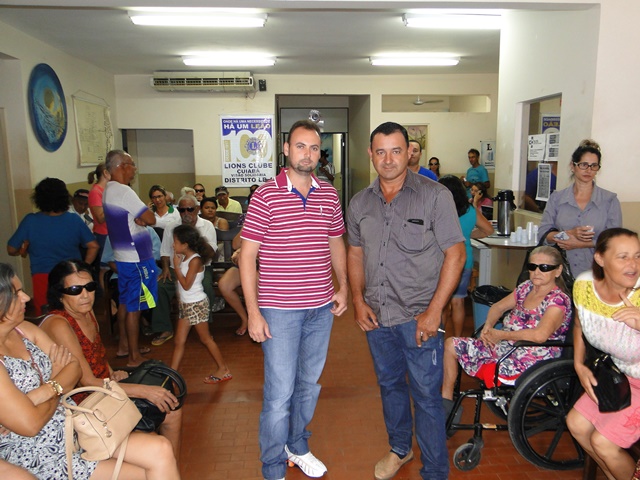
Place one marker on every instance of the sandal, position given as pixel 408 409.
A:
pixel 160 339
pixel 211 379
pixel 143 351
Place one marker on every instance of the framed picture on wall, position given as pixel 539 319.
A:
pixel 418 133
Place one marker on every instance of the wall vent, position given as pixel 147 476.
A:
pixel 203 82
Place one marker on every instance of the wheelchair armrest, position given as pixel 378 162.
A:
pixel 548 343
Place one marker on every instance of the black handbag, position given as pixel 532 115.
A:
pixel 613 390
pixel 156 373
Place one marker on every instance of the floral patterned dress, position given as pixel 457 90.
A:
pixel 474 355
pixel 43 455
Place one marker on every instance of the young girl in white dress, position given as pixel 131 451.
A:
pixel 190 252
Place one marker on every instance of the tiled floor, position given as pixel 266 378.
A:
pixel 221 421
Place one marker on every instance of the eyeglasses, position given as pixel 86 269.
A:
pixel 544 267
pixel 156 197
pixel 585 166
pixel 434 164
pixel 186 209
pixel 74 290
pixel 128 163
pixel 199 190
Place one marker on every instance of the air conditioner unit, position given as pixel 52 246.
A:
pixel 203 82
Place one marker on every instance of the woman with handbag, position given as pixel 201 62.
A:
pixel 72 323
pixel 582 210
pixel 607 301
pixel 31 384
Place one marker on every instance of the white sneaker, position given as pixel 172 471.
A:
pixel 308 463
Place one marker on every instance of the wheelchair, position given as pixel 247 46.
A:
pixel 533 411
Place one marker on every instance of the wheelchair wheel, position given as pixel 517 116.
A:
pixel 537 417
pixel 467 456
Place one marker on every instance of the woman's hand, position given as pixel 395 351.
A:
pixel 160 397
pixel 119 375
pixel 629 314
pixel 587 380
pixel 60 358
pixel 490 336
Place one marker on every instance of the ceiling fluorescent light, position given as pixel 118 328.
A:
pixel 182 19
pixel 454 21
pixel 415 61
pixel 229 61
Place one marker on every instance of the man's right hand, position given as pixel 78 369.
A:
pixel 258 328
pixel 165 275
pixel 364 316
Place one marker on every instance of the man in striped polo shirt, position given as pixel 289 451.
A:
pixel 295 225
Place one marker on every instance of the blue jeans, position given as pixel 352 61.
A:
pixel 396 356
pixel 293 361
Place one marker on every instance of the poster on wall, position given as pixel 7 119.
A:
pixel 94 134
pixel 247 149
pixel 487 154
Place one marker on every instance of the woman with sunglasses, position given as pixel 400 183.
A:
pixel 72 323
pixel 540 311
pixel 607 300
pixel 582 210
pixel 434 166
pixel 34 373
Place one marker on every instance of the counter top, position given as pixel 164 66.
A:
pixel 498 241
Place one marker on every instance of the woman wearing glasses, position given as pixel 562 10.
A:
pixel 164 212
pixel 434 166
pixel 582 210
pixel 540 311
pixel 73 324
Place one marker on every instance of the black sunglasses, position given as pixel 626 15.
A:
pixel 433 164
pixel 199 190
pixel 186 209
pixel 74 290
pixel 544 267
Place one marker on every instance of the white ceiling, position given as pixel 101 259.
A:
pixel 307 37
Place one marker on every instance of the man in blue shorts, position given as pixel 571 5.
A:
pixel 127 217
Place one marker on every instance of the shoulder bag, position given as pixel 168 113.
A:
pixel 156 373
pixel 102 422
pixel 613 390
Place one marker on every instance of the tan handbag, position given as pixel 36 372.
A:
pixel 103 422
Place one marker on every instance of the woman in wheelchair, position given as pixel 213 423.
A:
pixel 540 311
pixel 608 305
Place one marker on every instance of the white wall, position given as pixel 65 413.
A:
pixel 542 54
pixel 451 134
pixel 26 154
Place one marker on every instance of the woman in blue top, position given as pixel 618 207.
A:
pixel 474 225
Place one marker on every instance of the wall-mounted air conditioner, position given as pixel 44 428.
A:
pixel 203 82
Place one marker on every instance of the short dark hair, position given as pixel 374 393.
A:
pixel 56 280
pixel 51 195
pixel 416 141
pixel 474 151
pixel 602 245
pixel 208 199
pixel 305 124
pixel 389 128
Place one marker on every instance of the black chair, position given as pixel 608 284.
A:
pixel 230 217
pixel 226 237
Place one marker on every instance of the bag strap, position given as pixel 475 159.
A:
pixel 68 441
pixel 77 408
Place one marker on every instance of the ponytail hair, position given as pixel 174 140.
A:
pixel 190 235
pixel 96 175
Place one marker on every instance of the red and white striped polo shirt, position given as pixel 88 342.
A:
pixel 295 261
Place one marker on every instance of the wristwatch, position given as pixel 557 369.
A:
pixel 57 388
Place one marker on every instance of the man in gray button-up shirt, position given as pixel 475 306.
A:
pixel 406 254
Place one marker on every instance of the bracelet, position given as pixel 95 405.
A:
pixel 57 388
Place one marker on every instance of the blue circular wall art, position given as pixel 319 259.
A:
pixel 47 107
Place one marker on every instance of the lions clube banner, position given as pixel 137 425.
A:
pixel 247 150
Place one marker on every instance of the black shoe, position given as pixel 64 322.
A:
pixel 448 406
